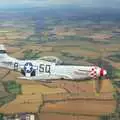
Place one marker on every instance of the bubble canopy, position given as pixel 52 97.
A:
pixel 51 59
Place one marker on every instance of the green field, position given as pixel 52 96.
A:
pixel 11 89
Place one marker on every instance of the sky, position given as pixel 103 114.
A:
pixel 44 3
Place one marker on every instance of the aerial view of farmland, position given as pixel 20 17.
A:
pixel 77 33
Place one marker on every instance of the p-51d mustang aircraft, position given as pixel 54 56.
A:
pixel 44 69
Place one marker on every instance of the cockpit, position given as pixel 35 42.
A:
pixel 53 59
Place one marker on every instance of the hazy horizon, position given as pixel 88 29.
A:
pixel 54 3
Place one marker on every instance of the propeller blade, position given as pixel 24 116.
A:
pixel 97 84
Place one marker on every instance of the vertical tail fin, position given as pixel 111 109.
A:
pixel 3 52
pixel 5 60
pixel 2 49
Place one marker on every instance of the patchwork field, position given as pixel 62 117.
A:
pixel 34 94
pixel 23 103
pixel 74 41
pixel 31 98
pixel 55 116
pixel 80 107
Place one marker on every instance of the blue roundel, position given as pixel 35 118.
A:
pixel 28 67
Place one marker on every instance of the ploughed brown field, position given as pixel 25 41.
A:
pixel 65 100
pixel 85 89
pixel 23 103
pixel 77 110
pixel 81 103
pixel 31 98
pixel 54 116
pixel 80 107
pixel 66 96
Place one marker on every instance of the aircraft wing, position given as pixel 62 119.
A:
pixel 45 77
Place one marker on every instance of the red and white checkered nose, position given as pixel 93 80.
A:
pixel 97 72
pixel 93 73
pixel 103 72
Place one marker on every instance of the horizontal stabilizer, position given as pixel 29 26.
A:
pixel 2 47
